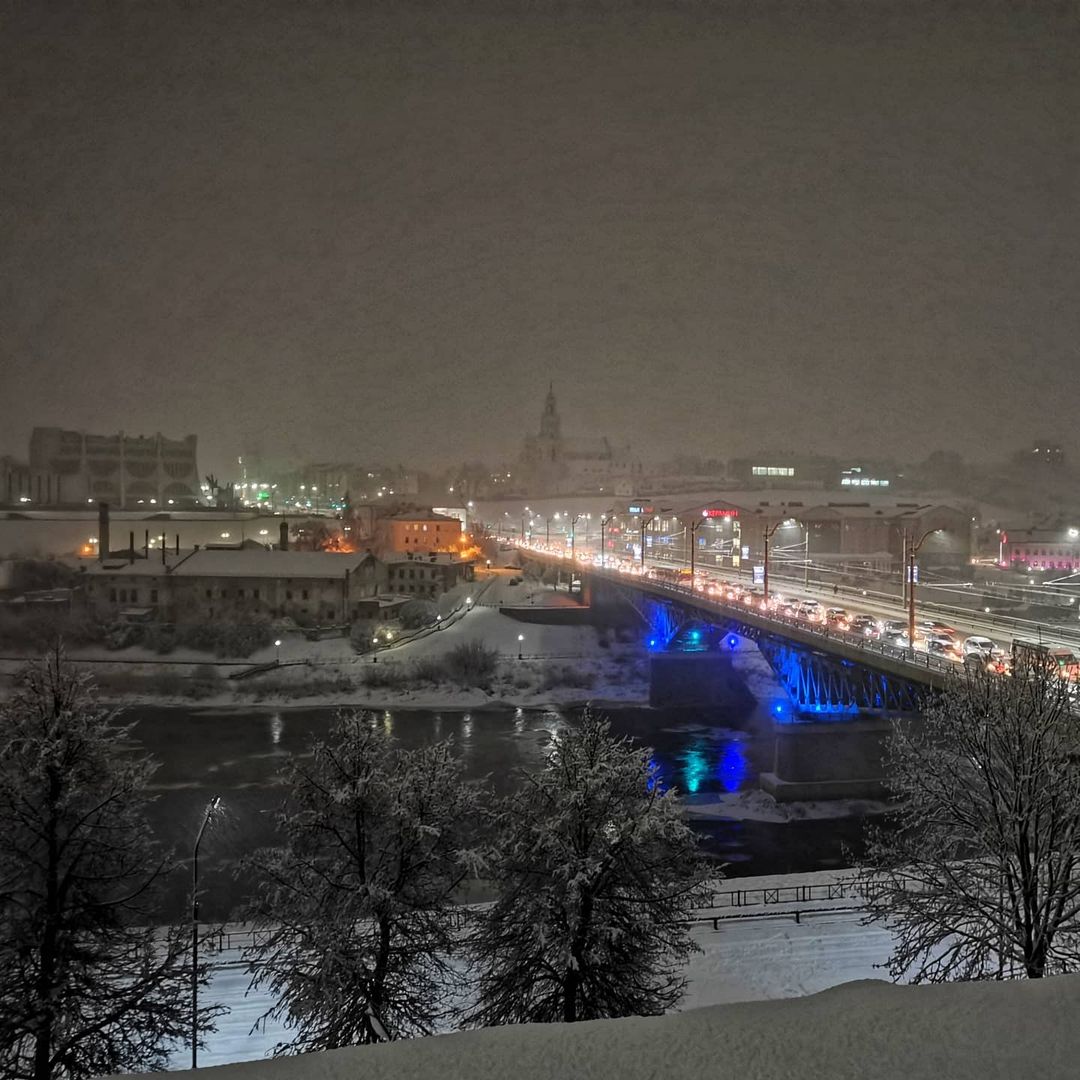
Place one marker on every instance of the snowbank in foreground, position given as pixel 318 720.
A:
pixel 859 1031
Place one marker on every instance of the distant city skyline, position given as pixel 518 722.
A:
pixel 377 233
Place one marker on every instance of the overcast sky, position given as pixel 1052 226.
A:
pixel 375 232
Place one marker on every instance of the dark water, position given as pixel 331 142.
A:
pixel 236 755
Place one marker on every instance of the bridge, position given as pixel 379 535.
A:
pixel 824 671
pixel 843 690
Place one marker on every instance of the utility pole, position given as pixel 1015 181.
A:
pixel 694 526
pixel 913 550
pixel 603 549
pixel 573 541
pixel 211 809
pixel 765 580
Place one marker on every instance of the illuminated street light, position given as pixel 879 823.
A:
pixel 277 651
pixel 913 550
pixel 211 809
pixel 521 639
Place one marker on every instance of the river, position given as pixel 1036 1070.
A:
pixel 237 753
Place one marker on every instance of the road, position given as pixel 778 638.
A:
pixel 1003 629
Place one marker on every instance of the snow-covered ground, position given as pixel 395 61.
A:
pixel 744 959
pixel 727 1026
pixel 560 665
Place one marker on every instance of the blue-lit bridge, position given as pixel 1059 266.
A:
pixel 823 670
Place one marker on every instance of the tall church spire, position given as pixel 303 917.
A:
pixel 550 425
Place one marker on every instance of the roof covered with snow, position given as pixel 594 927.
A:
pixel 858 1031
pixel 236 562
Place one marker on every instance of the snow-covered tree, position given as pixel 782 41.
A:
pixel 88 986
pixel 597 873
pixel 357 904
pixel 980 878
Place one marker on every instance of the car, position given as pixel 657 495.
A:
pixel 944 648
pixel 786 609
pixel 810 610
pixel 866 625
pixel 979 646
pixel 898 639
pixel 932 626
pixel 838 617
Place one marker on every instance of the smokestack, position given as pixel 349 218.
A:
pixel 283 534
pixel 103 531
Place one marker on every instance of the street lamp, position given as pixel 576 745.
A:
pixel 521 639
pixel 913 550
pixel 694 526
pixel 765 576
pixel 573 536
pixel 645 523
pixel 277 651
pixel 211 809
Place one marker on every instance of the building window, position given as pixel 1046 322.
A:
pixel 305 596
pixel 288 594
pixel 772 470
pixel 412 574
pixel 153 596
pixel 112 595
pixel 240 594
pixel 209 594
pixel 255 594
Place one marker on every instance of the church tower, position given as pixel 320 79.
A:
pixel 550 425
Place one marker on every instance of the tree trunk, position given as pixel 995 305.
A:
pixel 573 978
pixel 43 1037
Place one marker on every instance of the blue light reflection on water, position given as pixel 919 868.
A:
pixel 715 764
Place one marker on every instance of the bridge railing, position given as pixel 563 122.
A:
pixel 922 661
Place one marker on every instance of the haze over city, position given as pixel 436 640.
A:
pixel 321 229
pixel 523 512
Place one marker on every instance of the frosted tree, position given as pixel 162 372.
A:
pixel 980 878
pixel 88 986
pixel 597 873
pixel 360 928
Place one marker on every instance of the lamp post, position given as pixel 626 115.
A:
pixel 645 523
pixel 573 539
pixel 277 651
pixel 603 546
pixel 765 579
pixel 913 550
pixel 521 640
pixel 211 809
pixel 694 526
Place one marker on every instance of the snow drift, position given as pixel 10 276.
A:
pixel 860 1031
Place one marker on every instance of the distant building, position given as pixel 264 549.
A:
pixel 21 485
pixel 426 576
pixel 789 471
pixel 240 585
pixel 554 464
pixel 416 531
pixel 1041 549
pixel 125 471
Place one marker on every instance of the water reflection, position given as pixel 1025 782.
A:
pixel 695 769
pixel 733 767
pixel 277 726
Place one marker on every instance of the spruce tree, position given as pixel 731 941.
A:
pixel 597 874
pixel 88 985
pixel 357 902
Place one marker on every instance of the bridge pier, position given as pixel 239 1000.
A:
pixel 698 679
pixel 842 759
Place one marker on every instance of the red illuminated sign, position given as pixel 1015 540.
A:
pixel 720 513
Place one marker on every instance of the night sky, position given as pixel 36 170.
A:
pixel 375 232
